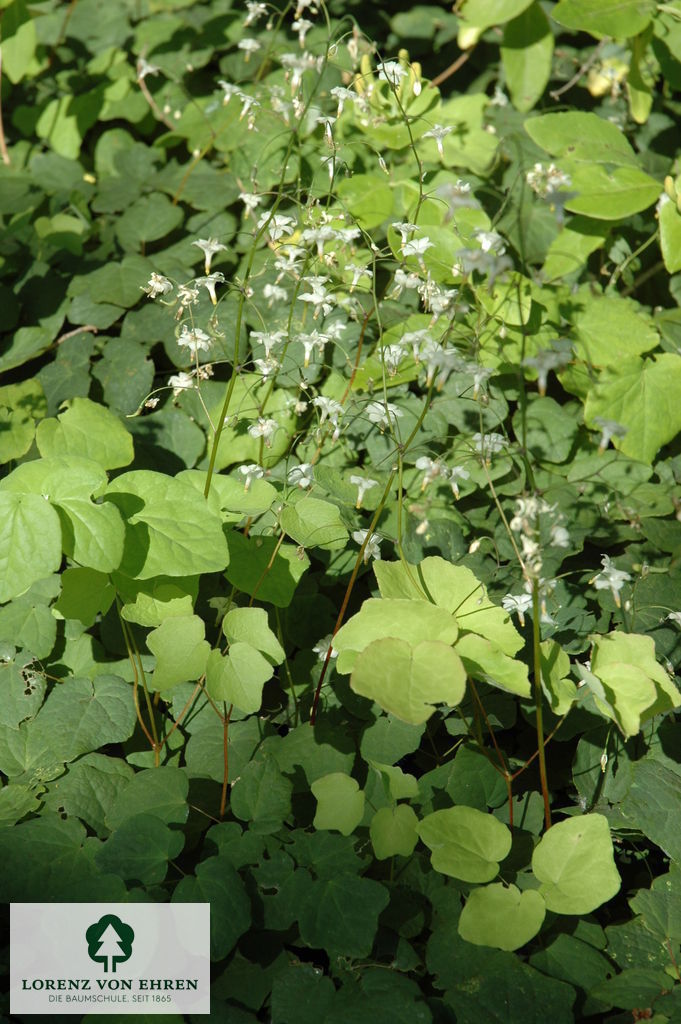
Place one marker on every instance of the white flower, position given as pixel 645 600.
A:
pixel 457 473
pixel 180 382
pixel 249 46
pixel 195 340
pixel 381 413
pixel 488 444
pixel 229 91
pixel 404 279
pixel 363 485
pixel 278 224
pixel 392 356
pixel 264 428
pixel 270 339
pixel 251 472
pixel 209 284
pixel 302 475
pixel 555 358
pixel 321 648
pixel 144 68
pixel 302 26
pixel 157 285
pixel 392 72
pixel 310 342
pixel 416 247
pixel 357 274
pixel 373 544
pixel 331 409
pixel 343 96
pixel 251 200
pixel 267 367
pixel 318 297
pixel 560 537
pixel 274 293
pixel 609 429
pixel 405 229
pixel 209 247
pixel 517 604
pixel 490 241
pixel 547 180
pixel 675 617
pixel 439 132
pixel 610 578
pixel 432 469
pixel 255 12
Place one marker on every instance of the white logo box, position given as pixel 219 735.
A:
pixel 109 958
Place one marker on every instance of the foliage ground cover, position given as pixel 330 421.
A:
pixel 340 500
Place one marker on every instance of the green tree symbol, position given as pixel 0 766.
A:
pixel 109 941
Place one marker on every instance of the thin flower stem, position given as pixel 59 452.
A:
pixel 3 143
pixel 225 753
pixel 538 697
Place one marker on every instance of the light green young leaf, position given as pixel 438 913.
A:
pixel 408 681
pixel 238 677
pixel 558 689
pixel 19 40
pixel 454 588
pixel 526 56
pixel 574 862
pixel 411 621
pixel 21 406
pixel 611 329
pixel 150 602
pixel 670 233
pixel 485 661
pixel 30 542
pixel 641 397
pixel 510 300
pixel 230 496
pixel 170 529
pixel 621 19
pixel 314 524
pixel 251 626
pixel 181 651
pixel 465 843
pixel 483 13
pixel 634 686
pixel 262 566
pixel 393 831
pixel 572 246
pixel 340 803
pixel 609 193
pixel 501 916
pixel 88 430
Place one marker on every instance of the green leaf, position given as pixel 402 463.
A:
pixel 150 602
pixel 393 831
pixel 302 993
pixel 119 283
pixel 411 621
pixel 251 626
pixel 454 588
pixel 611 329
pixel 230 496
pixel 640 396
pixel 509 300
pixel 526 56
pixel 148 219
pixel 92 534
pixel 407 681
pixel 261 795
pixel 21 405
pixel 633 988
pixel 610 193
pixel 465 843
pixel 84 594
pixel 670 233
pixel 619 18
pixel 340 803
pixel 660 906
pixel 17 801
pixel 483 660
pixel 181 651
pixel 216 882
pixel 263 567
pixel 582 136
pixel 139 850
pixel 313 523
pixel 501 916
pixel 238 677
pixel 87 430
pixel 368 197
pixel 29 624
pixel 652 804
pixel 88 789
pixel 30 542
pixel 572 246
pixel 158 791
pixel 483 13
pixel 340 914
pixel 170 529
pixel 126 375
pixel 574 862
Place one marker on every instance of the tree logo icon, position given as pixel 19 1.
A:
pixel 109 942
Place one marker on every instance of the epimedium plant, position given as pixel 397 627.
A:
pixel 340 494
